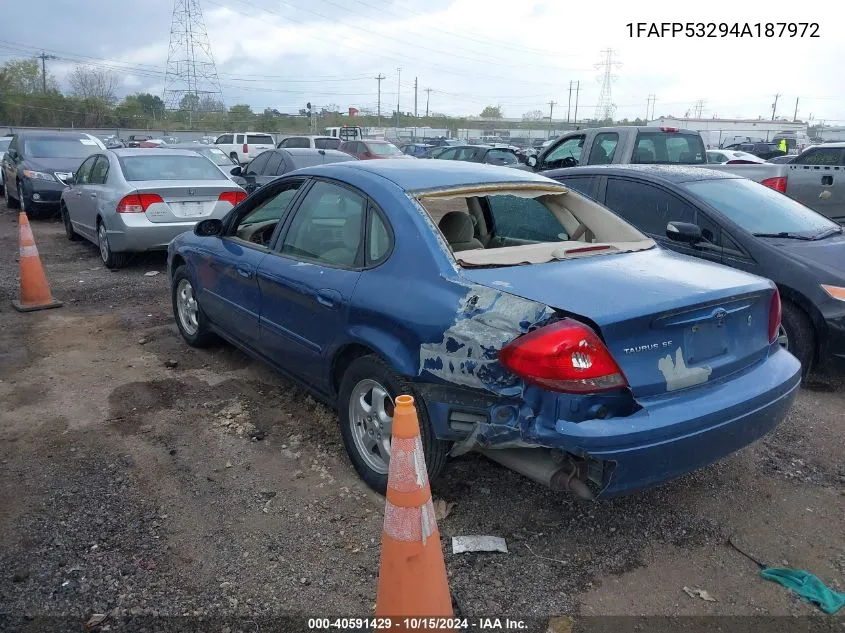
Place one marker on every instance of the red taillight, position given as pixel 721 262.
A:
pixel 246 148
pixel 232 197
pixel 564 356
pixel 778 183
pixel 668 129
pixel 774 316
pixel 137 202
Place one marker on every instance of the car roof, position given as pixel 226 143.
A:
pixel 53 134
pixel 836 145
pixel 314 136
pixel 415 175
pixel 148 151
pixel 310 151
pixel 190 146
pixel 672 174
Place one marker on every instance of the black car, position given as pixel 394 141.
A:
pixel 739 223
pixel 785 159
pixel 38 166
pixel 269 165
pixel 481 154
pixel 760 150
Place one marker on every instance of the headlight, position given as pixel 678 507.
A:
pixel 836 292
pixel 38 175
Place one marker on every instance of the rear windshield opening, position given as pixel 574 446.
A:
pixel 259 139
pixel 669 148
pixel 527 226
pixel 160 167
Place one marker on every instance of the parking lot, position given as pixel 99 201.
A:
pixel 146 477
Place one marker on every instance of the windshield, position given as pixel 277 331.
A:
pixel 384 149
pixel 500 157
pixel 59 147
pixel 669 148
pixel 326 143
pixel 217 156
pixel 760 209
pixel 4 144
pixel 162 167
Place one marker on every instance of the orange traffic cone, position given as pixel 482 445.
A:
pixel 35 293
pixel 412 575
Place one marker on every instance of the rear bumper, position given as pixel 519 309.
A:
pixel 133 232
pixel 670 435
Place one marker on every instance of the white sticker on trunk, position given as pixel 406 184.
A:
pixel 87 141
pixel 678 375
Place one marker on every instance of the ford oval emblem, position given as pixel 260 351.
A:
pixel 719 314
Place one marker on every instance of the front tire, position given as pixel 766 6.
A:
pixel 365 406
pixel 69 232
pixel 109 258
pixel 797 335
pixel 192 323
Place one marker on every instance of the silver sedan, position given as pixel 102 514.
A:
pixel 129 201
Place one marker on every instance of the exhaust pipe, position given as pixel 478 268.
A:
pixel 538 465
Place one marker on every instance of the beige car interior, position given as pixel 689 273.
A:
pixel 589 229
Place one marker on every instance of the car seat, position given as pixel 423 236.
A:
pixel 351 237
pixel 458 229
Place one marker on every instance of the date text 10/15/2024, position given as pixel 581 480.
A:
pixel 418 624
pixel 723 29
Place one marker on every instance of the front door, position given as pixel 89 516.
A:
pixel 817 179
pixel 76 198
pixel 307 282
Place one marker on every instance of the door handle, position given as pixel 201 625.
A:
pixel 92 194
pixel 246 274
pixel 329 298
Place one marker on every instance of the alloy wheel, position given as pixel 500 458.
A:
pixel 371 417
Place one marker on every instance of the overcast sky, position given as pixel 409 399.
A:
pixel 471 53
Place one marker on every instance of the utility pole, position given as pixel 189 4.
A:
pixel 398 92
pixel 795 116
pixel 577 90
pixel 44 57
pixel 379 80
pixel 427 98
pixel 569 105
pixel 775 106
pixel 415 97
pixel 551 112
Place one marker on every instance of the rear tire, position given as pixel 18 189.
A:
pixel 362 377
pixel 69 232
pixel 190 319
pixel 110 259
pixel 800 336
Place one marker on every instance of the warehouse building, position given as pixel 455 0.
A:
pixel 720 132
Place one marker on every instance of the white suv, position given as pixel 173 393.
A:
pixel 313 142
pixel 242 148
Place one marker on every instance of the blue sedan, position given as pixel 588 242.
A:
pixel 529 322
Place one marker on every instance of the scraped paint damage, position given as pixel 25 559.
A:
pixel 485 322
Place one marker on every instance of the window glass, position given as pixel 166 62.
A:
pixel 239 139
pixel 259 139
pixel 500 157
pixel 226 139
pixel 448 154
pixel 740 200
pixel 100 171
pixel 273 208
pixel 378 238
pixel 570 148
pixel 256 166
pixel 669 148
pixel 604 146
pixel 710 231
pixel 715 158
pixel 821 156
pixel 327 226
pixel 297 141
pixel 274 164
pixel 326 143
pixel 59 147
pixel 524 219
pixel 4 144
pixel 466 153
pixel 581 184
pixel 647 207
pixel 729 243
pixel 383 149
pixel 216 156
pixel 84 171
pixel 166 166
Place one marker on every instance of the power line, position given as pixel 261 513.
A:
pixel 44 57
pixel 379 79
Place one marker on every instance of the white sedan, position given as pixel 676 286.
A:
pixel 731 157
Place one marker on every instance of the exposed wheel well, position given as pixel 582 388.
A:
pixel 178 260
pixel 802 303
pixel 343 359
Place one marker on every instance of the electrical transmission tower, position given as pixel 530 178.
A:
pixel 699 108
pixel 605 107
pixel 191 81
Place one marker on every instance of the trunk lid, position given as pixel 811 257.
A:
pixel 670 321
pixel 184 202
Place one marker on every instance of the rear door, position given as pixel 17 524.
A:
pixel 254 170
pixel 817 179
pixel 95 190
pixel 307 282
pixel 271 169
pixel 650 207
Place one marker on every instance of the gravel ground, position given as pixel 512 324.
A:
pixel 216 488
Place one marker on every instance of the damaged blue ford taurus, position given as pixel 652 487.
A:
pixel 530 323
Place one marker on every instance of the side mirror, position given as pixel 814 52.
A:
pixel 532 161
pixel 236 171
pixel 684 232
pixel 209 228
